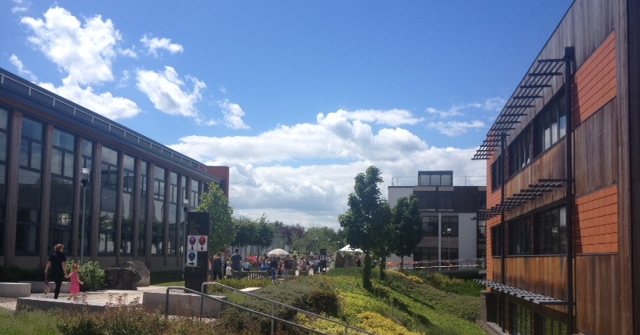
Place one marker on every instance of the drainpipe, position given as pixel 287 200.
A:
pixel 503 266
pixel 569 56
pixel 503 144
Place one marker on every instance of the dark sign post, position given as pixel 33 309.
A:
pixel 196 250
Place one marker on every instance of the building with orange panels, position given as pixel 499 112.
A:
pixel 563 215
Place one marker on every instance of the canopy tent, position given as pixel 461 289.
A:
pixel 347 249
pixel 277 253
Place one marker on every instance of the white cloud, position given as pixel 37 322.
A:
pixel 316 194
pixel 233 114
pixel 20 6
pixel 332 137
pixel 303 173
pixel 22 70
pixel 489 105
pixel 154 44
pixel 455 128
pixel 128 52
pixel 392 117
pixel 167 92
pixel 85 51
pixel 102 103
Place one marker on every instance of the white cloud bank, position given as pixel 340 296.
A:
pixel 155 44
pixel 166 90
pixel 85 52
pixel 303 173
pixel 22 70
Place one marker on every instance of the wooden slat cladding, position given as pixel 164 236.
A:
pixel 596 227
pixel 599 295
pixel 549 165
pixel 596 151
pixel 545 274
pixel 595 81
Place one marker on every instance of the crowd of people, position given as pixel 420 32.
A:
pixel 274 265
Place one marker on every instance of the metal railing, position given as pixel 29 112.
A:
pixel 242 308
pixel 347 327
pixel 445 264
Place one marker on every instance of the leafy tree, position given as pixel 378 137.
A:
pixel 317 238
pixel 246 233
pixel 264 236
pixel 366 221
pixel 407 226
pixel 222 228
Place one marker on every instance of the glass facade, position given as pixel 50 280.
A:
pixel 126 205
pixel 117 192
pixel 108 201
pixel 142 218
pixel 29 188
pixel 87 196
pixel 172 241
pixel 61 200
pixel 157 238
pixel 4 121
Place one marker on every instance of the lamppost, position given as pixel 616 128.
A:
pixel 84 180
pixel 183 245
pixel 449 245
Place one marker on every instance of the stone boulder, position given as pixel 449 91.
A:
pixel 141 270
pixel 121 279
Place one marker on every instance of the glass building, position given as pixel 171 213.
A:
pixel 136 194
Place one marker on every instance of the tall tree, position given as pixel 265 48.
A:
pixel 407 226
pixel 246 232
pixel 366 219
pixel 265 234
pixel 222 228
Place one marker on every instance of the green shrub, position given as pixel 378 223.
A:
pixel 454 285
pixel 131 319
pixel 92 275
pixel 83 323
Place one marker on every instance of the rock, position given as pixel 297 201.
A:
pixel 121 279
pixel 141 270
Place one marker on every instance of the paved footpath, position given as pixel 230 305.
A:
pixel 98 298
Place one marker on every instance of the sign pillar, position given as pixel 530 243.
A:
pixel 196 250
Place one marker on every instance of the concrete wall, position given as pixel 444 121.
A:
pixel 467 236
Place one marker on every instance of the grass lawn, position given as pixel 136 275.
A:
pixel 34 322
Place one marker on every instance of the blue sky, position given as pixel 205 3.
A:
pixel 297 97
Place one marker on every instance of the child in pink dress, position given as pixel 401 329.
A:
pixel 74 278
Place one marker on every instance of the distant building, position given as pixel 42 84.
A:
pixel 563 182
pixel 135 193
pixel 451 227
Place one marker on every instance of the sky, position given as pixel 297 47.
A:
pixel 296 97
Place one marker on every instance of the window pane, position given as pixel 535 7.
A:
pixel 56 161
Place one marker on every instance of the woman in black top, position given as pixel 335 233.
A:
pixel 57 265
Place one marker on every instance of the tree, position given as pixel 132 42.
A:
pixel 366 221
pixel 246 233
pixel 407 226
pixel 316 238
pixel 264 236
pixel 222 228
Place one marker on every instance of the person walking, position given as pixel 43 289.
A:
pixel 235 261
pixel 216 264
pixel 74 278
pixel 57 263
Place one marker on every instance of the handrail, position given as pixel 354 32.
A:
pixel 222 301
pixel 314 315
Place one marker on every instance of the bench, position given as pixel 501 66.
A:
pixel 15 290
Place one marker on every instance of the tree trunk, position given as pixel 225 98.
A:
pixel 401 263
pixel 366 272
pixel 382 265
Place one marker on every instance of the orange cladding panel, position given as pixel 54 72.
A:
pixel 595 81
pixel 596 228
